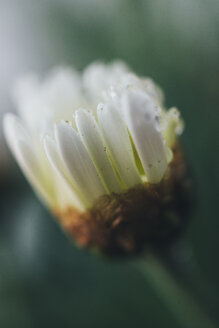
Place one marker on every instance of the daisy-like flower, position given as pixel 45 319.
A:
pixel 101 151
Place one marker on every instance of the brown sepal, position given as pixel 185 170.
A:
pixel 146 215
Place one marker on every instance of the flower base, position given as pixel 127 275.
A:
pixel 147 215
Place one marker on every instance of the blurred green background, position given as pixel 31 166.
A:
pixel 44 280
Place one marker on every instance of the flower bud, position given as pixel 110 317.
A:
pixel 102 152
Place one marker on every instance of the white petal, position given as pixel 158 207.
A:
pixel 117 139
pixel 98 77
pixel 15 135
pixel 14 129
pixel 56 163
pixel 27 94
pixel 78 162
pixel 62 93
pixel 52 99
pixel 174 126
pixel 140 114
pixel 91 136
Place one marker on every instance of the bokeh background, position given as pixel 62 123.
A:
pixel 45 281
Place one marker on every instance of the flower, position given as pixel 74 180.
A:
pixel 101 151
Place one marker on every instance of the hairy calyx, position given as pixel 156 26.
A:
pixel 148 215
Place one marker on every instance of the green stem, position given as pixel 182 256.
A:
pixel 187 312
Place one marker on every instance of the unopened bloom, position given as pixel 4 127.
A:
pixel 101 151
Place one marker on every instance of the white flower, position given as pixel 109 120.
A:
pixel 80 136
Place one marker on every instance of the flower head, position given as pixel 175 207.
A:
pixel 101 151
